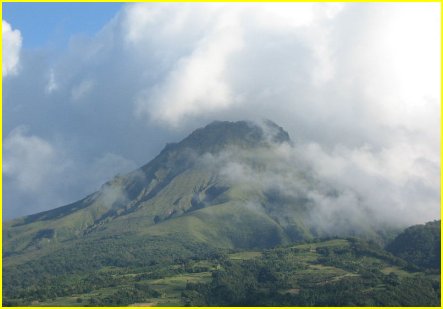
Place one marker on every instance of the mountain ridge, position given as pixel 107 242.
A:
pixel 221 190
pixel 212 175
pixel 126 194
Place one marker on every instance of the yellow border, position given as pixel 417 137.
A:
pixel 201 1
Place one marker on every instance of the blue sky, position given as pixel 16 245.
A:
pixel 356 85
pixel 52 24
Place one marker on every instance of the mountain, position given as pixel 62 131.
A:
pixel 227 186
pixel 179 192
pixel 419 244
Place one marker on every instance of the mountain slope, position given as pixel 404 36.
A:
pixel 419 244
pixel 178 184
pixel 227 186
pixel 174 184
pixel 177 206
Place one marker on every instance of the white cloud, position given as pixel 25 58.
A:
pixel 12 43
pixel 30 160
pixel 359 80
pixel 52 85
pixel 382 180
pixel 398 66
pixel 39 175
pixel 138 21
pixel 198 83
pixel 349 189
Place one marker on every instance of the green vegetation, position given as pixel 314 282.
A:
pixel 328 273
pixel 419 245
pixel 176 232
pixel 338 272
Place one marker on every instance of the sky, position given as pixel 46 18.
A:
pixel 50 25
pixel 93 90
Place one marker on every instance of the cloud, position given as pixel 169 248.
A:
pixel 52 83
pixel 40 175
pixel 81 90
pixel 12 43
pixel 197 84
pixel 343 191
pixel 32 169
pixel 380 182
pixel 356 85
pixel 107 166
pixel 28 160
pixel 200 81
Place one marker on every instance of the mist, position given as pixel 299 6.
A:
pixel 343 192
pixel 356 85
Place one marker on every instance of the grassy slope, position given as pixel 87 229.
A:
pixel 226 220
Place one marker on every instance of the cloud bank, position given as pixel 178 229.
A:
pixel 42 174
pixel 357 86
pixel 12 43
pixel 342 192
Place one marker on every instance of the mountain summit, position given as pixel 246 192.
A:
pixel 220 134
pixel 226 185
pixel 180 184
pixel 186 223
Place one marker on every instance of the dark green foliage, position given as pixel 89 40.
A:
pixel 262 282
pixel 125 296
pixel 419 244
pixel 335 272
pixel 370 291
pixel 50 276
